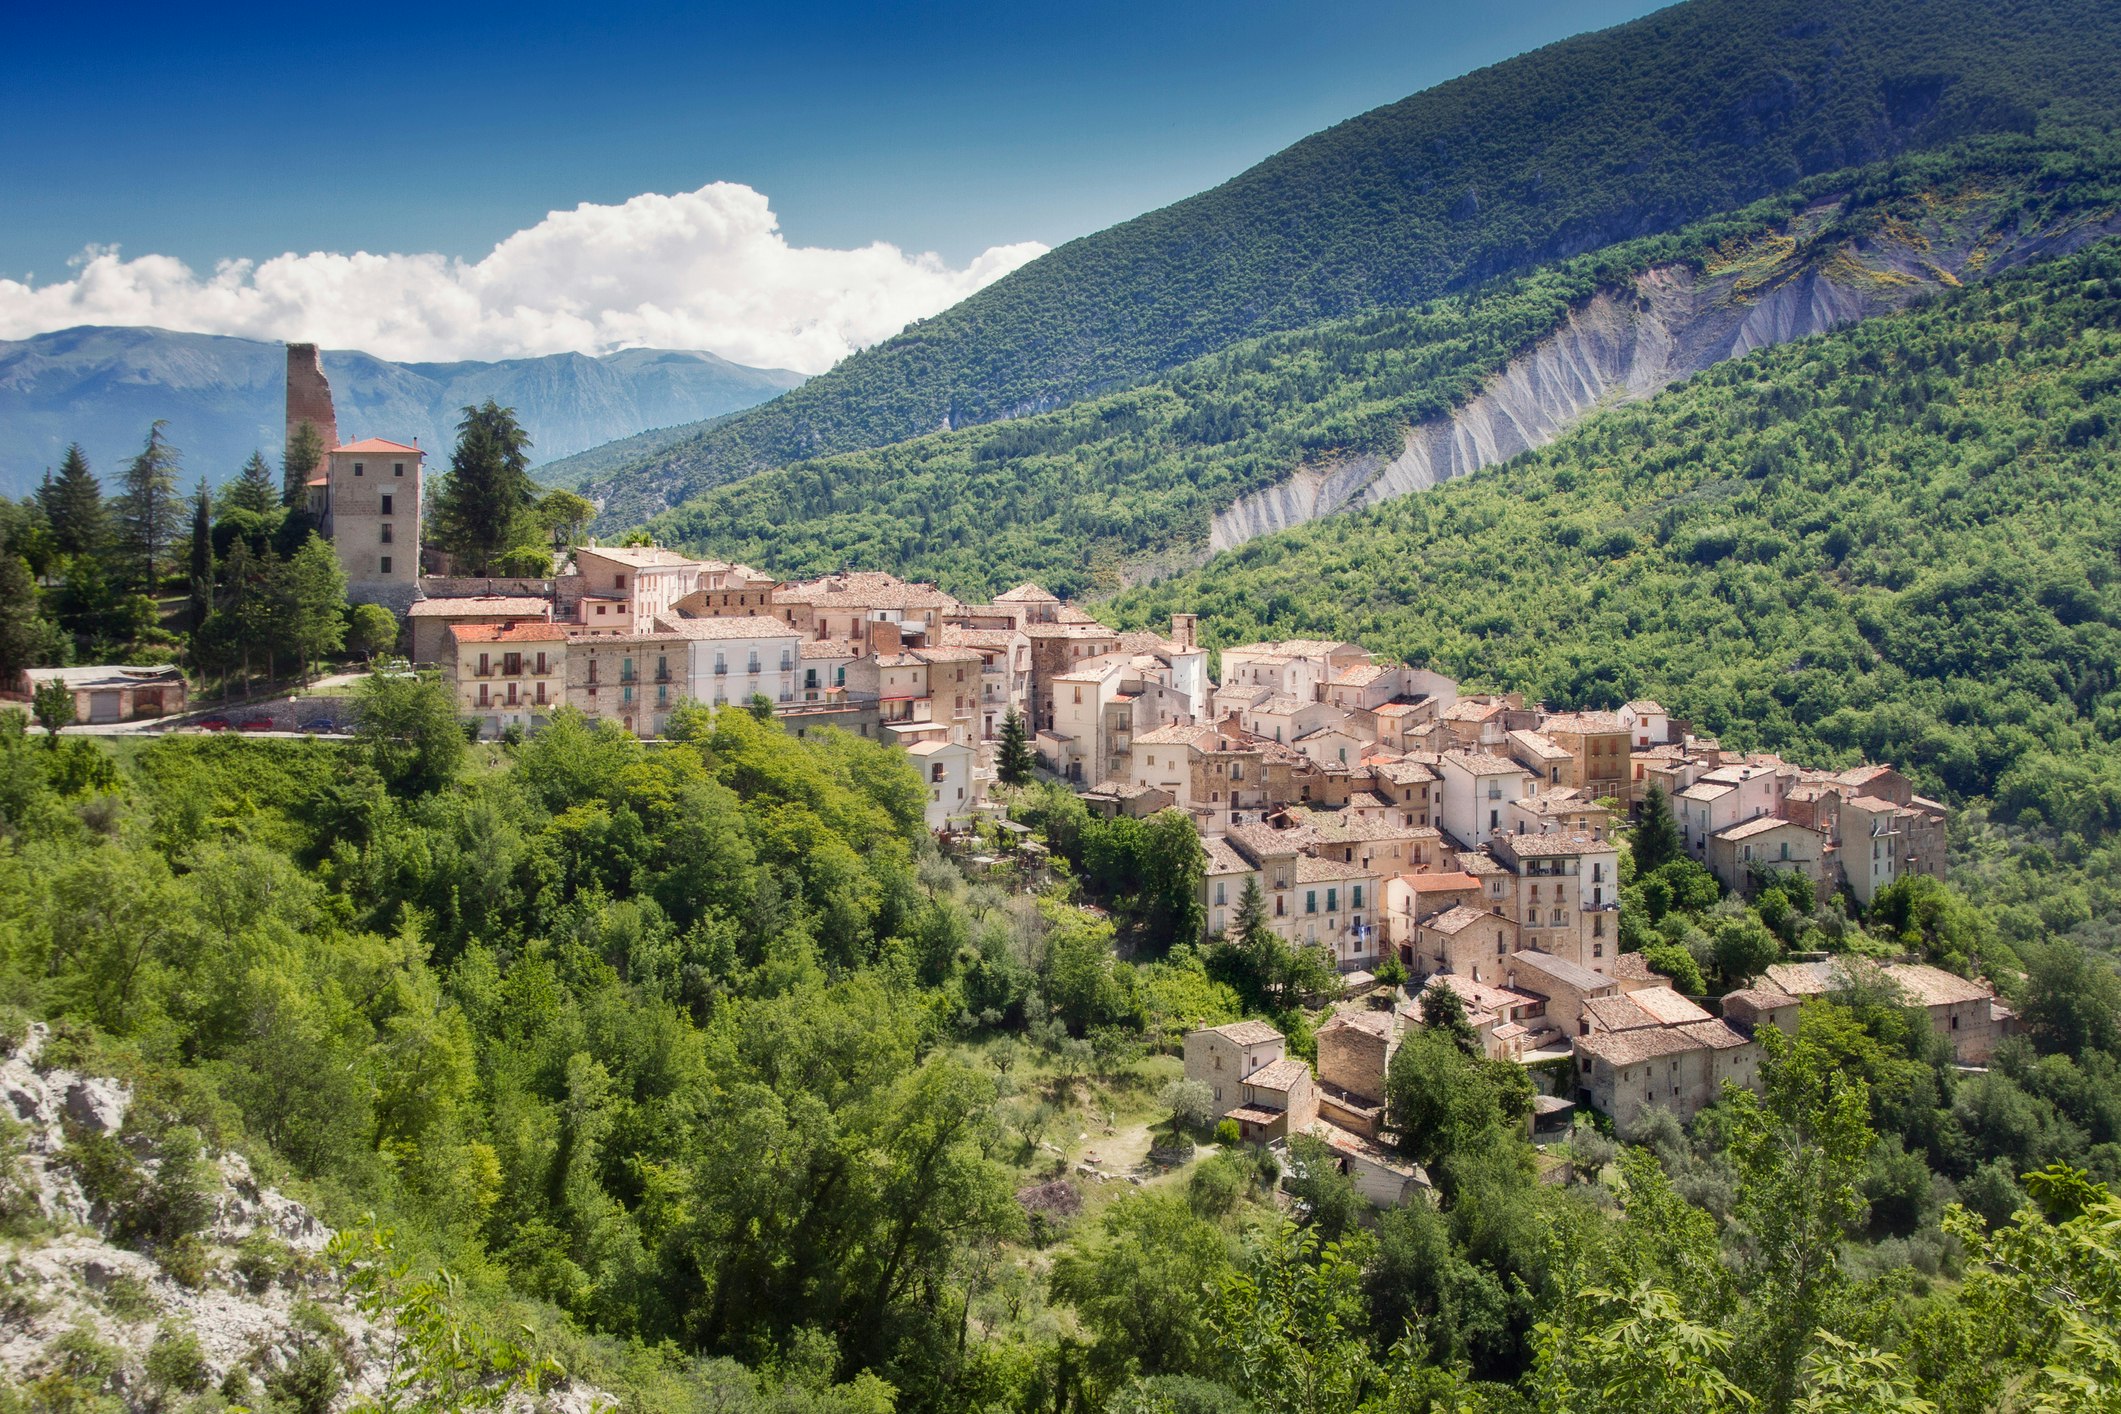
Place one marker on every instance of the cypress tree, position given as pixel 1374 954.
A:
pixel 305 452
pixel 202 557
pixel 252 490
pixel 147 511
pixel 1013 761
pixel 73 504
pixel 1656 840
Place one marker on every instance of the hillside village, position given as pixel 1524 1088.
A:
pixel 1374 810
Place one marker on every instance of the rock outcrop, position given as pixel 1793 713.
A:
pixel 256 1293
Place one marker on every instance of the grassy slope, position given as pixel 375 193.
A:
pixel 1072 498
pixel 1639 129
pixel 1898 541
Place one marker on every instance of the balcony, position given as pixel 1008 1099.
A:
pixel 662 675
pixel 721 670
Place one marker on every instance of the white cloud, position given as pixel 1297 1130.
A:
pixel 706 269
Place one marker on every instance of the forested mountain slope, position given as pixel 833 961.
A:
pixel 1896 542
pixel 1281 429
pixel 1598 139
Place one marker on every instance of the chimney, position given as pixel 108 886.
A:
pixel 1182 629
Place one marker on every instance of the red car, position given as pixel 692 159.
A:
pixel 255 724
pixel 213 724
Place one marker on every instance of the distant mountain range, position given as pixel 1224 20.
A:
pixel 223 397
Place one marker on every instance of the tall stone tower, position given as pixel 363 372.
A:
pixel 309 396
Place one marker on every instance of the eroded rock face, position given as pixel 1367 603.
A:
pixel 263 1254
pixel 1629 344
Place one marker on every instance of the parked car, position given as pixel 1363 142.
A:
pixel 255 724
pixel 322 726
pixel 213 724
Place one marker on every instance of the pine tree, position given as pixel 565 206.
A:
pixel 1656 840
pixel 312 599
pixel 73 503
pixel 252 490
pixel 1013 761
pixel 148 510
pixel 202 557
pixel 304 454
pixel 484 507
pixel 1444 1011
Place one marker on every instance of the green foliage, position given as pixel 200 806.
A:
pixel 407 726
pixel 370 629
pixel 486 506
pixel 73 505
pixel 148 512
pixel 1922 577
pixel 1601 138
pixel 302 459
pixel 1013 761
pixel 53 705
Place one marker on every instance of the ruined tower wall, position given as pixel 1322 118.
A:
pixel 309 395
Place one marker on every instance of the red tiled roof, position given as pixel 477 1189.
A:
pixel 377 444
pixel 508 633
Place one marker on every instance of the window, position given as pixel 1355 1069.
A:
pixel 541 663
pixel 1222 891
pixel 386 503
pixel 935 772
pixel 397 468
pixel 357 468
pixel 618 581
pixel 386 532
pixel 383 565
pixel 1356 902
pixel 1310 900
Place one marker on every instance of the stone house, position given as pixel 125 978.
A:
pixel 633 679
pixel 1566 986
pixel 1477 788
pixel 1383 1178
pixel 945 769
pixel 1767 843
pixel 429 621
pixel 1412 897
pixel 1678 1068
pixel 507 675
pixel 1280 1098
pixel 1465 941
pixel 1220 1057
pixel 1552 767
pixel 626 588
pixel 1564 892
pixel 1966 1013
pixel 116 694
pixel 1597 743
pixel 1354 1053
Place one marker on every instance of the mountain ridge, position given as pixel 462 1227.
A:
pixel 102 385
pixel 1691 110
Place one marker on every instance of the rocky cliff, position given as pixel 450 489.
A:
pixel 1671 322
pixel 143 1269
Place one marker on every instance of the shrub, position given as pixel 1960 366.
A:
pixel 175 1363
pixel 1227 1133
pixel 309 1382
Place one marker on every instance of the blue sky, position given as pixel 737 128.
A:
pixel 205 133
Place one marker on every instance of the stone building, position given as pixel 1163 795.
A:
pixel 1220 1057
pixel 1354 1054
